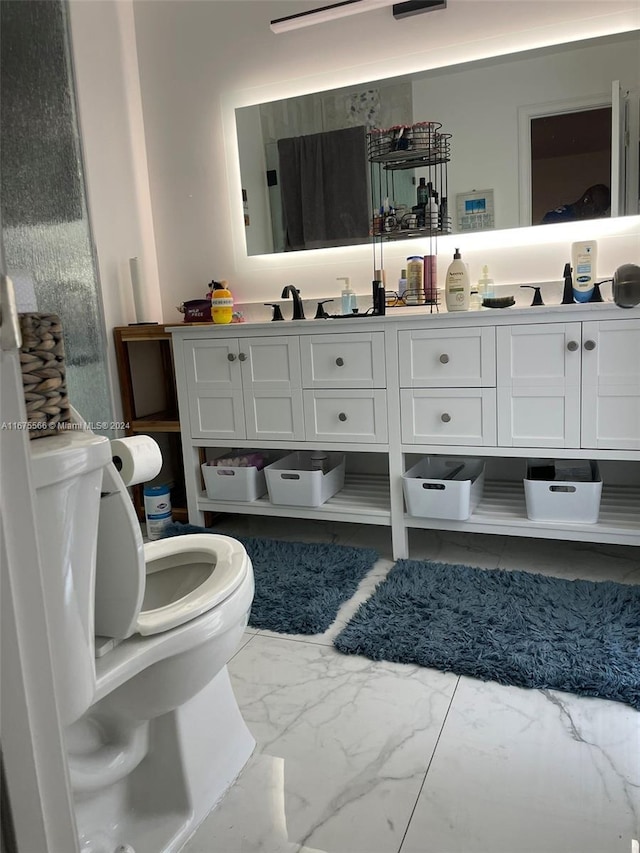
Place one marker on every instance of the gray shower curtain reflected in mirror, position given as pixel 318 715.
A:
pixel 45 227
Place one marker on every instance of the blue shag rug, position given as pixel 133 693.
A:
pixel 512 627
pixel 299 585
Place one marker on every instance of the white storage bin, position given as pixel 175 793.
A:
pixel 561 498
pixel 444 487
pixel 226 483
pixel 292 482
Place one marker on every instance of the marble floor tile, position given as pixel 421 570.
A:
pixel 343 745
pixel 586 560
pixel 360 756
pixel 530 771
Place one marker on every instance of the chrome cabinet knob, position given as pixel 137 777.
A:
pixel 445 417
pixel 572 346
pixel 340 362
pixel 242 356
pixel 231 356
pixel 342 416
pixel 589 345
pixel 444 358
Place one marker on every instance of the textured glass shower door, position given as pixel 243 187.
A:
pixel 45 226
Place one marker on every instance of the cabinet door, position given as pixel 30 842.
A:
pixel 446 358
pixel 343 361
pixel 539 385
pixel 214 383
pixel 462 416
pixel 340 415
pixel 611 384
pixel 272 388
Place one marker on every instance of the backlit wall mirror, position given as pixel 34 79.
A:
pixel 531 133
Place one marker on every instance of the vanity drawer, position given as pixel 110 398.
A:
pixel 445 358
pixel 465 417
pixel 356 415
pixel 343 361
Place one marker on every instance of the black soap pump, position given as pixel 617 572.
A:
pixel 567 293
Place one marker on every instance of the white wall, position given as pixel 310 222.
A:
pixel 199 60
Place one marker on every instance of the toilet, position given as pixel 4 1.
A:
pixel 141 636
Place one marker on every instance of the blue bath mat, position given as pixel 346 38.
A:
pixel 299 585
pixel 512 627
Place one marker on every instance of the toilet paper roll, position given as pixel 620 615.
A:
pixel 137 458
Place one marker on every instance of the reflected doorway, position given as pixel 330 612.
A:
pixel 570 153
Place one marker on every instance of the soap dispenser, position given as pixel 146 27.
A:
pixel 485 284
pixel 348 296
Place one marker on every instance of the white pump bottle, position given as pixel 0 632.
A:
pixel 457 288
pixel 348 296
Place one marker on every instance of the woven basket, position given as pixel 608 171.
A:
pixel 43 374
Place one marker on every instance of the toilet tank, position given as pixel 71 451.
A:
pixel 67 478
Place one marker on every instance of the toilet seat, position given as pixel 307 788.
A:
pixel 209 568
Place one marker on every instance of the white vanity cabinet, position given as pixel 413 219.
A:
pixel 611 384
pixel 569 385
pixel 501 386
pixel 244 388
pixel 344 378
pixel 447 386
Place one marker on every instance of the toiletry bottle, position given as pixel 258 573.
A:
pixel 347 295
pixel 430 283
pixel 457 286
pixel 583 259
pixel 402 283
pixel 485 284
pixel 431 212
pixel 415 280
pixel 422 192
pixel 443 216
pixel 221 303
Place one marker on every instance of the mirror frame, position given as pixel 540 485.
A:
pixel 549 36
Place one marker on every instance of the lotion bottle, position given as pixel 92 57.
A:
pixel 457 288
pixel 583 260
pixel 348 296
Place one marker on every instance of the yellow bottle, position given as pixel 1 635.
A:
pixel 221 303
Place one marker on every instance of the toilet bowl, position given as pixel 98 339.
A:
pixel 142 633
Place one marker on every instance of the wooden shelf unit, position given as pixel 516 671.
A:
pixel 147 376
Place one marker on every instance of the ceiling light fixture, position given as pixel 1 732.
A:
pixel 351 7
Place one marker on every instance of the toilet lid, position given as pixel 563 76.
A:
pixel 187 576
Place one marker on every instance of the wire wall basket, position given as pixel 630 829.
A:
pixel 409 146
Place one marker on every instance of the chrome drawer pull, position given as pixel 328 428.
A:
pixel 242 356
pixel 444 358
pixel 589 345
pixel 572 346
pixel 340 362
pixel 231 356
pixel 445 417
pixel 342 416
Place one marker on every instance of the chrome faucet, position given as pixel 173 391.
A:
pixel 298 308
